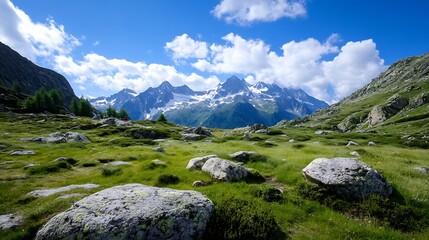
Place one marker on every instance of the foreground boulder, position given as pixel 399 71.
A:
pixel 224 170
pixel 133 211
pixel 347 177
pixel 9 221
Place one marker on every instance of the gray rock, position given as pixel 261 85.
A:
pixel 65 196
pixel 347 177
pixel 419 100
pixel 322 132
pixel 118 163
pixel 198 162
pixel 30 166
pixel 52 191
pixel 242 156
pixel 133 211
pixel 351 143
pixel 354 153
pixel 372 144
pixel 199 183
pixel 58 137
pixel 159 149
pixel 424 170
pixel 224 170
pixel 192 137
pixel 158 162
pixel 262 131
pixel 200 131
pixel 109 121
pixel 381 113
pixel 349 123
pixel 292 140
pixel 9 221
pixel 70 161
pixel 22 152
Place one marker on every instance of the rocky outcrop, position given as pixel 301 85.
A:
pixel 133 211
pixel 200 131
pixel 379 113
pixel 141 133
pixel 224 170
pixel 349 123
pixel 115 122
pixel 58 137
pixel 347 177
pixel 52 191
pixel 419 100
pixel 242 156
pixel 22 152
pixel 198 162
pixel 18 72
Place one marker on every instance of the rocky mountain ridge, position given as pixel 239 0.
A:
pixel 400 94
pixel 233 103
pixel 24 78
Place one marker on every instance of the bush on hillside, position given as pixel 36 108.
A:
pixel 242 219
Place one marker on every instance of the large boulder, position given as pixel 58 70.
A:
pixel 200 131
pixel 133 211
pixel 347 177
pixel 198 162
pixel 9 221
pixel 224 170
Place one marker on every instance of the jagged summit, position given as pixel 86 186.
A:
pixel 233 103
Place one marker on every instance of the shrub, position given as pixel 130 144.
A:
pixel 242 219
pixel 274 132
pixel 110 171
pixel 269 194
pixel 165 179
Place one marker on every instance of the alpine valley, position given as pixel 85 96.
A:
pixel 233 103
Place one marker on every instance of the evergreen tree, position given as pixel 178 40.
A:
pixel 74 106
pixel 162 118
pixel 123 115
pixel 111 112
pixel 44 101
pixel 85 108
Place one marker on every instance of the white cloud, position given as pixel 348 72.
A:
pixel 115 74
pixel 96 43
pixel 302 64
pixel 184 47
pixel 246 12
pixel 32 39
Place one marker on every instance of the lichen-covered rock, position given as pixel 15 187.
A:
pixel 58 137
pixel 419 100
pixel 133 211
pixel 224 170
pixel 351 143
pixel 381 113
pixel 347 177
pixel 9 221
pixel 242 156
pixel 22 152
pixel 52 191
pixel 198 162
pixel 349 123
pixel 192 137
pixel 159 149
pixel 200 131
pixel 372 144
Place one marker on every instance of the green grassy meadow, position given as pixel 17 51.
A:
pixel 304 213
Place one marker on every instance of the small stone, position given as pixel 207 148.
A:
pixel 22 152
pixel 372 144
pixel 242 156
pixel 292 140
pixel 199 183
pixel 351 143
pixel 424 170
pixel 30 166
pixel 159 149
pixel 118 163
pixel 52 191
pixel 354 153
pixel 158 162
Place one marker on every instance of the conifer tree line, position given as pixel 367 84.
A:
pixel 53 101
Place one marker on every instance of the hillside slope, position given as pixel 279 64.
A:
pixel 397 98
pixel 20 75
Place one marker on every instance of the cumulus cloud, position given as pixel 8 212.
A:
pixel 302 64
pixel 115 74
pixel 183 47
pixel 246 12
pixel 31 39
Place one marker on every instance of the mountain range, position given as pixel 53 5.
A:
pixel 233 103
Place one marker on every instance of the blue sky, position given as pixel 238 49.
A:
pixel 330 48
